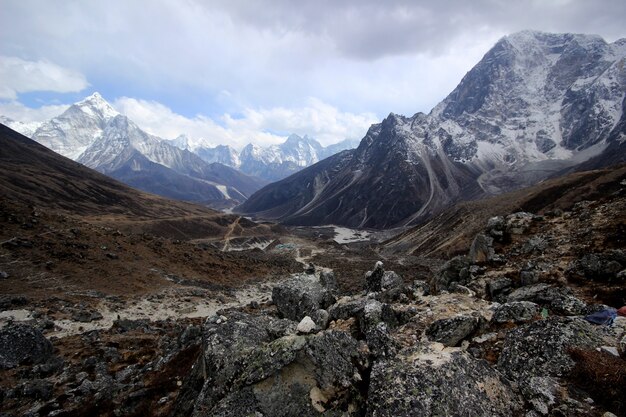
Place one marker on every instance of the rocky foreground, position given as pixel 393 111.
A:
pixel 500 331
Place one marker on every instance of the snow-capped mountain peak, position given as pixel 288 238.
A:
pixel 95 105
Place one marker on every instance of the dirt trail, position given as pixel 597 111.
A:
pixel 229 233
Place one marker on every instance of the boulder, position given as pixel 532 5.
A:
pixel 452 331
pixel 559 300
pixel 373 278
pixel 347 307
pixel 328 280
pixel 601 266
pixel 436 381
pixel 301 296
pixel 455 270
pixel 499 286
pixel 248 373
pixel 518 223
pixel 516 312
pixel 539 349
pixel 20 344
pixel 481 250
pixel 496 226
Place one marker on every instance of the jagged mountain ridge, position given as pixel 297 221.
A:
pixel 94 134
pixel 536 104
pixel 271 163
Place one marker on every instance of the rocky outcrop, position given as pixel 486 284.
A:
pixel 250 368
pixel 303 296
pixel 21 344
pixel 438 381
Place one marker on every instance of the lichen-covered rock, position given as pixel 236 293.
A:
pixel 516 312
pixel 601 266
pixel 347 307
pixel 518 223
pixel 540 348
pixel 499 287
pixel 559 300
pixel 452 331
pixel 21 343
pixel 301 296
pixel 433 381
pixel 291 375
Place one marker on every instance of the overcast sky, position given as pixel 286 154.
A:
pixel 238 71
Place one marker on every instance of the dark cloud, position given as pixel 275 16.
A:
pixel 370 29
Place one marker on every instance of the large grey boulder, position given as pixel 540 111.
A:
pixel 301 296
pixel 250 372
pixel 380 280
pixel 539 349
pixel 429 382
pixel 21 344
pixel 559 300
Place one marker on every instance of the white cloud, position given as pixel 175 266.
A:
pixel 260 126
pixel 21 76
pixel 19 112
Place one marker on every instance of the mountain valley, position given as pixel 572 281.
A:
pixel 466 262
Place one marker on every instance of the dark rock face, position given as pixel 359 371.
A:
pixel 302 296
pixel 417 383
pixel 20 343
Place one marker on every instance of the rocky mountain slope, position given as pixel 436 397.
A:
pixel 34 175
pixel 499 330
pixel 94 134
pixel 537 104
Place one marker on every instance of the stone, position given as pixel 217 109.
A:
pixel 541 393
pixel 481 250
pixel 306 325
pixel 535 245
pixel 328 280
pixel 601 266
pixel 518 223
pixel 390 280
pixel 347 307
pixel 421 288
pixel 321 318
pixel 454 270
pixel 301 296
pixel 373 278
pixel 528 277
pixel 433 381
pixel 559 300
pixel 248 373
pixel 452 331
pixel 21 344
pixel 4 275
pixel 540 348
pixel 516 312
pixel 496 226
pixel 611 350
pixel 498 286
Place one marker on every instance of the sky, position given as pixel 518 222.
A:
pixel 241 71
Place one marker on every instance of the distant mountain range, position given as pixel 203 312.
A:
pixel 270 163
pixel 536 105
pixel 93 133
